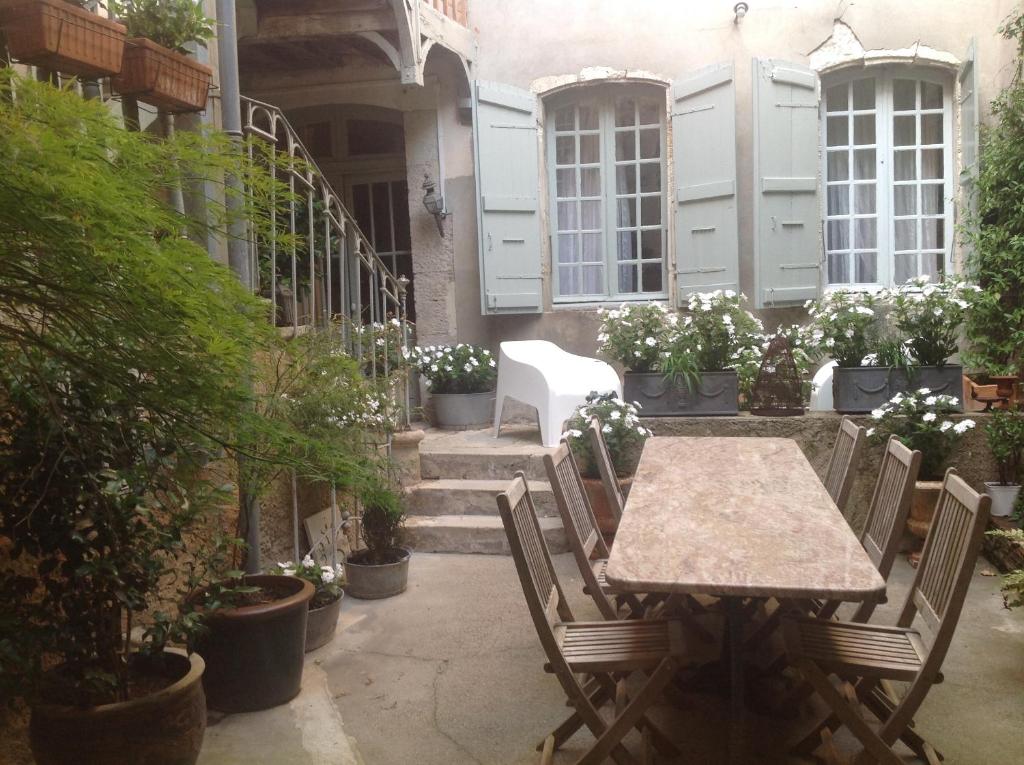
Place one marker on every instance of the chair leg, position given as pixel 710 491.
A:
pixel 574 722
pixel 548 752
pixel 499 405
pixel 881 701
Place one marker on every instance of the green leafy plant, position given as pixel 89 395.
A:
pixel 845 326
pixel 1005 434
pixel 634 335
pixel 458 368
pixel 381 524
pixel 171 23
pixel 620 426
pixel 383 346
pixel 920 421
pixel 1013 582
pixel 326 579
pixel 929 315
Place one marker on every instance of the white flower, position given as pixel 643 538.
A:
pixel 953 400
pixel 877 413
pixel 606 429
pixel 829 342
pixel 574 433
pixel 870 360
pixel 650 342
pixel 614 415
pixel 308 561
pixel 641 430
pixel 870 432
pixel 286 564
pixel 963 426
pixel 923 391
pixel 327 575
pixel 945 426
pixel 928 416
pixel 288 572
pixel 930 401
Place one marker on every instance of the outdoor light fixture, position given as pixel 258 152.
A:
pixel 434 202
pixel 740 9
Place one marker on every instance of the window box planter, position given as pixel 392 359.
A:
pixel 368 581
pixel 164 727
pixel 856 390
pixel 322 623
pixel 163 78
pixel 462 410
pixel 716 394
pixel 62 37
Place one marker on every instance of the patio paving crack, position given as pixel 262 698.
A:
pixel 442 668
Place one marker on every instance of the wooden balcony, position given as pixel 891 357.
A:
pixel 456 10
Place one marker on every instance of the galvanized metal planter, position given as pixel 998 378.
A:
pixel 716 394
pixel 462 410
pixel 371 582
pixel 860 389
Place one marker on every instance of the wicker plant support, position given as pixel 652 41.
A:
pixel 778 390
pixel 62 37
pixel 163 78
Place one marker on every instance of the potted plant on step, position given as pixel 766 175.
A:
pixel 624 436
pixel 382 569
pixel 461 380
pixel 325 605
pixel 61 36
pixel 1005 433
pixel 157 68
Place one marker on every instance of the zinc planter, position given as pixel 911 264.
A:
pixel 322 623
pixel 254 654
pixel 717 393
pixel 161 728
pixel 462 410
pixel 856 390
pixel 372 582
pixel 1004 497
pixel 163 78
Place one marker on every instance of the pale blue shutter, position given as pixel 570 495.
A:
pixel 508 217
pixel 788 243
pixel 704 147
pixel 969 138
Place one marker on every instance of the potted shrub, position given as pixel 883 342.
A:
pixel 157 68
pixel 325 605
pixel 845 326
pixel 624 435
pixel 1005 433
pixel 61 36
pixel 382 569
pixel 461 380
pixel 920 420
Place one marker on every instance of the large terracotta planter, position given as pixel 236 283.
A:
pixel 254 654
pixel 62 37
pixel 162 728
pixel 164 78
pixel 602 508
pixel 922 509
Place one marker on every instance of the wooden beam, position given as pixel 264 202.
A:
pixel 439 28
pixel 323 24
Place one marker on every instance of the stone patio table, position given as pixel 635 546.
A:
pixel 737 518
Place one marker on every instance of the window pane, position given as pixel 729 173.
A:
pixel 932 234
pixel 931 163
pixel 837 130
pixel 905 200
pixel 864 164
pixel 904 94
pixel 932 265
pixel 568 280
pixel 864 94
pixel 593 252
pixel 567 220
pixel 906 234
pixel 838 235
pixel 626 212
pixel 931 128
pixel 864 129
pixel 866 267
pixel 565 149
pixel 906 165
pixel 838 165
pixel 588 117
pixel 838 200
pixel 838 269
pixel 650 143
pixel 932 201
pixel 565 182
pixel 591 214
pixel 651 241
pixel 836 98
pixel 864 198
pixel 650 211
pixel 627 278
pixel 650 113
pixel 590 182
pixel 590 149
pixel 904 128
pixel 650 176
pixel 592 282
pixel 906 268
pixel 865 233
pixel 625 179
pixel 625 145
pixel 625 112
pixel 651 274
pixel 564 118
pixel 627 245
pixel 931 95
pixel 567 248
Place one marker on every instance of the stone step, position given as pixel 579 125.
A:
pixel 477 455
pixel 472 534
pixel 445 496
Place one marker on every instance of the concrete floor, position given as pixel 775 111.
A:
pixel 450 672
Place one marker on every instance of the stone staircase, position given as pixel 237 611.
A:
pixel 453 510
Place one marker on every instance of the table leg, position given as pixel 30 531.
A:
pixel 733 647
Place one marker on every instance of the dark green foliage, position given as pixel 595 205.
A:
pixel 171 23
pixel 1005 433
pixel 382 521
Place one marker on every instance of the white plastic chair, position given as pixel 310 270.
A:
pixel 821 394
pixel 542 375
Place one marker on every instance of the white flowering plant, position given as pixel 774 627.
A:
pixel 382 345
pixel 327 580
pixel 921 420
pixel 620 426
pixel 845 326
pixel 929 315
pixel 634 334
pixel 458 368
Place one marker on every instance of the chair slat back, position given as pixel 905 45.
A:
pixel 947 561
pixel 890 504
pixel 571 497
pixel 606 468
pixel 842 466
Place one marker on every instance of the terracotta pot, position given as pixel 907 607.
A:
pixel 164 78
pixel 922 507
pixel 322 623
pixel 1006 386
pixel 602 509
pixel 62 37
pixel 162 728
pixel 254 654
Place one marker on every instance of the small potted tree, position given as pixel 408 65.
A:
pixel 461 380
pixel 382 569
pixel 1005 433
pixel 157 68
pixel 325 606
pixel 624 435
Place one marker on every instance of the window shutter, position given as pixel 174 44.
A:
pixel 787 239
pixel 508 216
pixel 969 136
pixel 704 147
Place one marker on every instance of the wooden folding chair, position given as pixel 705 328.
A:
pixel 842 466
pixel 605 653
pixel 606 468
pixel 869 658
